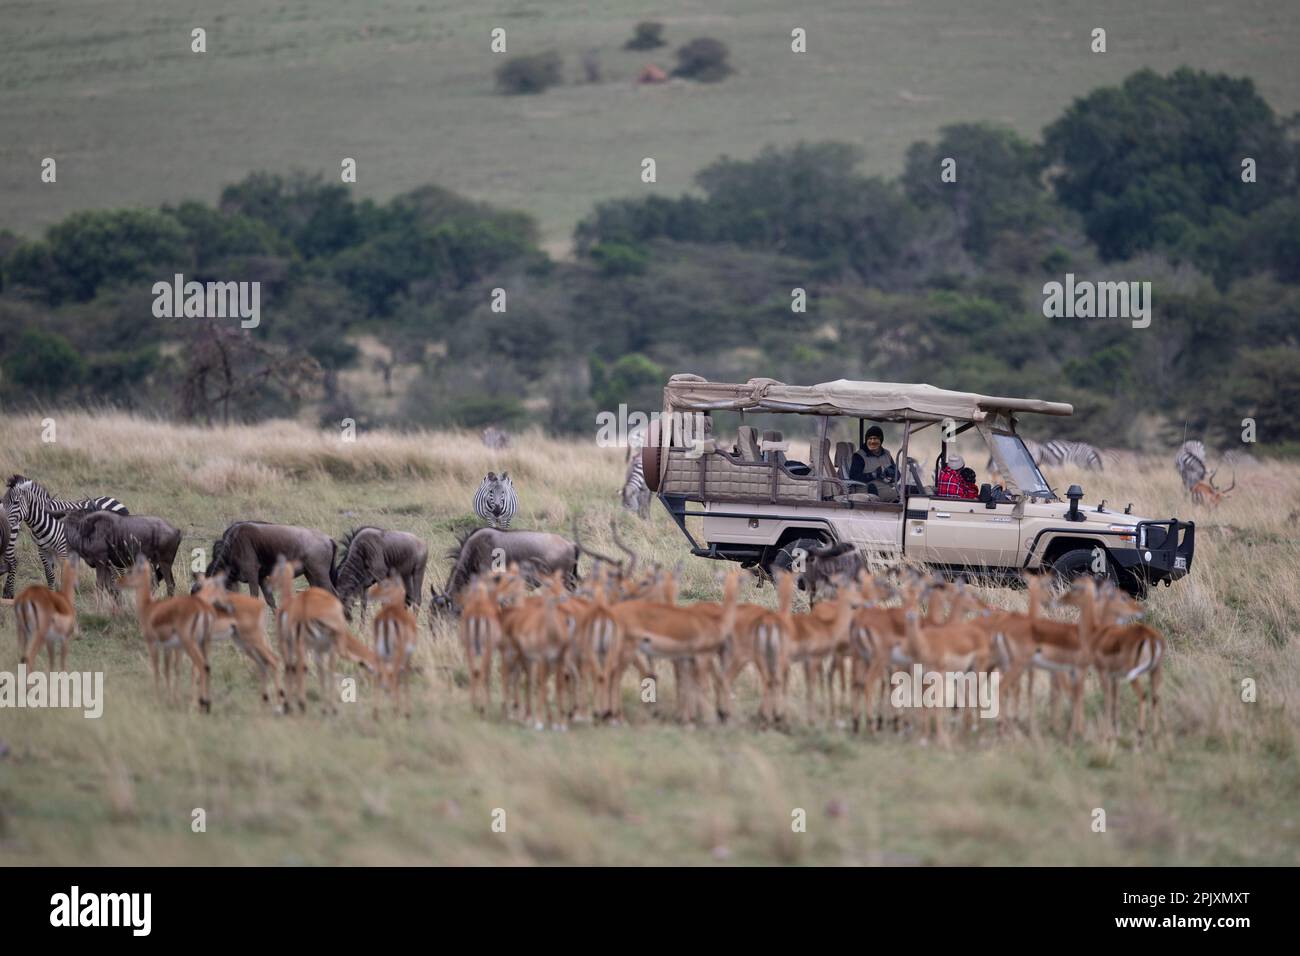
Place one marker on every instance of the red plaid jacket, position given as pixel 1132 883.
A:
pixel 952 486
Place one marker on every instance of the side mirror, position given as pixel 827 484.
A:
pixel 986 495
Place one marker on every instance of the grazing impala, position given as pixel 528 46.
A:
pixel 172 625
pixel 396 635
pixel 48 617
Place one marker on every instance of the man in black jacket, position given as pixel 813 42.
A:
pixel 872 464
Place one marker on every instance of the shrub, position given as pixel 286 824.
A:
pixel 703 59
pixel 648 34
pixel 529 74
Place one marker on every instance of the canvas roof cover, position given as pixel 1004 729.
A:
pixel 878 400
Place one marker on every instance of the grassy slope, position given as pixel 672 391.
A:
pixel 346 789
pixel 405 87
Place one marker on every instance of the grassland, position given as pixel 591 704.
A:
pixel 406 88
pixel 1222 788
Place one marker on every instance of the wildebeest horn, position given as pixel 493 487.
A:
pixel 594 555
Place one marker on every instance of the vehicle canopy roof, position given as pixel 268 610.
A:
pixel 882 401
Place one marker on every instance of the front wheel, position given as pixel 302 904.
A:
pixel 1075 564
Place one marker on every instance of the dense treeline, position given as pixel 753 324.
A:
pixel 922 278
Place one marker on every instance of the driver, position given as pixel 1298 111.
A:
pixel 872 462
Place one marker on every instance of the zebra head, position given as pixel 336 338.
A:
pixel 496 490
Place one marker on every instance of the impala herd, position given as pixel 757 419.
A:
pixel 570 649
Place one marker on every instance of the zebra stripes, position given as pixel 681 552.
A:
pixel 1190 462
pixel 1080 454
pixel 27 501
pixel 636 494
pixel 495 501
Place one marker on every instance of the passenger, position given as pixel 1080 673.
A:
pixel 872 464
pixel 956 480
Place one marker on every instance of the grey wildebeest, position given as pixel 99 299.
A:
pixel 111 542
pixel 829 565
pixel 248 552
pixel 371 555
pixel 538 553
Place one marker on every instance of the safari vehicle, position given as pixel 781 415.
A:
pixel 758 509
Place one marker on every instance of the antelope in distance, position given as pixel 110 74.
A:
pixel 241 618
pixel 172 625
pixel 48 617
pixel 396 636
pixel 1205 491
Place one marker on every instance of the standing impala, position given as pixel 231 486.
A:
pixel 172 625
pixel 396 636
pixel 48 617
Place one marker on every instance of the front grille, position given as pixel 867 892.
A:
pixel 1156 535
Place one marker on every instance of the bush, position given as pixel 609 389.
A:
pixel 703 59
pixel 648 35
pixel 529 74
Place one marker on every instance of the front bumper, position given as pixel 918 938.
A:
pixel 1164 551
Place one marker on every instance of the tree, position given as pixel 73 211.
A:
pixel 703 59
pixel 647 35
pixel 530 74
pixel 1148 160
pixel 43 365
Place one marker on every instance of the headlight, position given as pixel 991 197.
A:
pixel 1128 534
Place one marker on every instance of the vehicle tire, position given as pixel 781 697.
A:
pixel 782 558
pixel 1075 564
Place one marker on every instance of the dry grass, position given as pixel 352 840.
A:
pixel 1222 788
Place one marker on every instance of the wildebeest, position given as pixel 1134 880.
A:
pixel 248 551
pixel 829 564
pixel 537 553
pixel 110 542
pixel 371 555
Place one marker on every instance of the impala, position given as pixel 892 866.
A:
pixel 241 618
pixel 48 617
pixel 480 633
pixel 172 625
pixel 310 620
pixel 396 635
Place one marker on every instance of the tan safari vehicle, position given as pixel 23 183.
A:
pixel 759 507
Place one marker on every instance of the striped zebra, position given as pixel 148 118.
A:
pixel 636 494
pixel 1058 452
pixel 1190 462
pixel 27 501
pixel 496 502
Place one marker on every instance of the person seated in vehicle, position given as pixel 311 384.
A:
pixel 956 480
pixel 872 464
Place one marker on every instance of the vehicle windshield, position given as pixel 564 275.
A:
pixel 1011 450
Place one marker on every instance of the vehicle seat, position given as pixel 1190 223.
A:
pixel 843 458
pixel 747 443
pixel 774 456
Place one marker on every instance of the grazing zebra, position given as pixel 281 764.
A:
pixel 636 495
pixel 1057 452
pixel 1190 462
pixel 495 502
pixel 495 438
pixel 27 501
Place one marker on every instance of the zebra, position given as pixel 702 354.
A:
pixel 27 501
pixel 636 494
pixel 494 438
pixel 496 502
pixel 1190 462
pixel 1057 452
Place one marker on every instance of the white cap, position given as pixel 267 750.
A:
pixel 956 462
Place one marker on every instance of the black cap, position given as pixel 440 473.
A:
pixel 876 431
